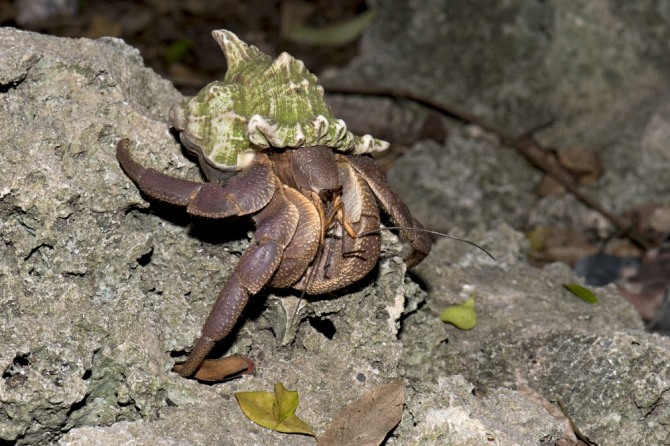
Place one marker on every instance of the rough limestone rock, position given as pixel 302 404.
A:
pixel 98 290
pixel 611 377
pixel 595 71
pixel 100 293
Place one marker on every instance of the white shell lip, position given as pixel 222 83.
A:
pixel 190 143
pixel 178 117
pixel 244 159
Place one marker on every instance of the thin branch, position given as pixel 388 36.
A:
pixel 526 145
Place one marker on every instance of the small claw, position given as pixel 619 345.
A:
pixel 394 207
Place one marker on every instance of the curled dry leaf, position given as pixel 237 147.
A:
pixel 223 369
pixel 582 163
pixel 367 421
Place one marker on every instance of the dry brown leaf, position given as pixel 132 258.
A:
pixel 367 421
pixel 560 245
pixel 584 164
pixel 223 369
pixel 549 186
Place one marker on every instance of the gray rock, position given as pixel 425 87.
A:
pixel 448 413
pixel 469 181
pixel 609 374
pixel 596 71
pixel 66 344
pixel 101 293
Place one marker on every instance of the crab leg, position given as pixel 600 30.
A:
pixel 244 194
pixel 253 190
pixel 275 227
pixel 300 252
pixel 394 206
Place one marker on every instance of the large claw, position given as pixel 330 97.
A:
pixel 244 194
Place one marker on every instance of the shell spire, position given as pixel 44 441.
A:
pixel 261 104
pixel 238 54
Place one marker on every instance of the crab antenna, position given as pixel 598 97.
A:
pixel 441 234
pixel 297 308
pixel 377 231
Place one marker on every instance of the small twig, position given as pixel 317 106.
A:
pixel 545 160
pixel 526 145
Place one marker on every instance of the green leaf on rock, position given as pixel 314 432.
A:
pixel 274 411
pixel 581 292
pixel 463 316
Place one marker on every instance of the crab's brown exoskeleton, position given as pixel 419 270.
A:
pixel 315 208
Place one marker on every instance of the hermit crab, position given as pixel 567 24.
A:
pixel 271 149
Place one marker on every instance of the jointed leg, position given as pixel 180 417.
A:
pixel 244 194
pixel 275 227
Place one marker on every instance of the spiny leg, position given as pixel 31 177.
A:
pixel 275 227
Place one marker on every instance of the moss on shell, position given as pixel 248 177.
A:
pixel 261 103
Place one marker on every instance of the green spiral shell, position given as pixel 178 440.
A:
pixel 261 103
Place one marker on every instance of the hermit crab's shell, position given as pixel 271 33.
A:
pixel 260 104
